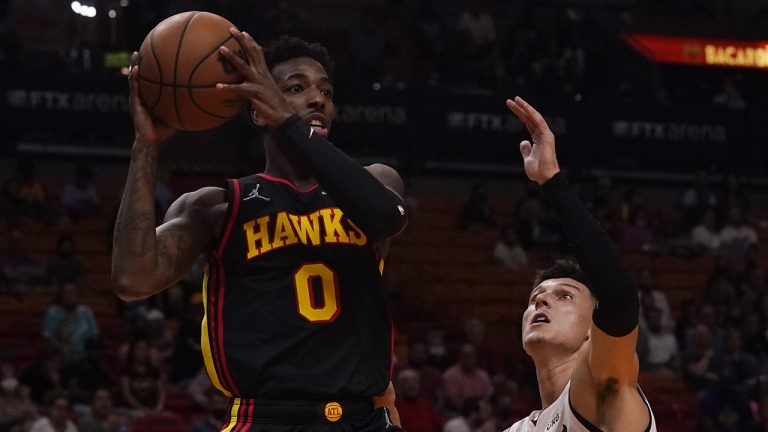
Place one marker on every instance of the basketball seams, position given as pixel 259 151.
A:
pixel 159 71
pixel 176 68
pixel 180 86
pixel 192 74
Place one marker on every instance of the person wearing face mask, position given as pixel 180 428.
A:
pixel 68 325
pixel 16 409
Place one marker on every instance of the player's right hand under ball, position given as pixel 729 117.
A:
pixel 147 130
pixel 539 158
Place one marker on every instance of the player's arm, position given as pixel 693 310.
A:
pixel 146 260
pixel 608 374
pixel 374 206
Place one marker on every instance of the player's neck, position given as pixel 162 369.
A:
pixel 283 162
pixel 553 371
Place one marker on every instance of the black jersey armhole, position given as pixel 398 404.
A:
pixel 592 428
pixel 233 204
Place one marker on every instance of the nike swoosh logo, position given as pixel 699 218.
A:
pixel 311 131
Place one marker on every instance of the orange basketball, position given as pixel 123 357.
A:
pixel 179 68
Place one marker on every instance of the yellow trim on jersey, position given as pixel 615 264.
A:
pixel 205 343
pixel 233 420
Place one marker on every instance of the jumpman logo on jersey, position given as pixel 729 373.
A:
pixel 255 194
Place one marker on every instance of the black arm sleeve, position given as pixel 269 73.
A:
pixel 618 306
pixel 375 209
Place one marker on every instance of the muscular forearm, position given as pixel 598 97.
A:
pixel 618 308
pixel 134 251
pixel 378 211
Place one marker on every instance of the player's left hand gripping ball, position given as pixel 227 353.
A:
pixel 259 87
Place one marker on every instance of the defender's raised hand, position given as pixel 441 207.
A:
pixel 540 158
pixel 259 87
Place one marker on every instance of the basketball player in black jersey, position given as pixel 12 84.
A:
pixel 297 330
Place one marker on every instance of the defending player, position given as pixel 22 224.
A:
pixel 580 331
pixel 297 330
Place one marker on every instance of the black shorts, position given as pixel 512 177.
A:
pixel 248 415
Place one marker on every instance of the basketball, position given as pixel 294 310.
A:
pixel 179 67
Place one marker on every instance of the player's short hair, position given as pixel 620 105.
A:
pixel 561 269
pixel 287 47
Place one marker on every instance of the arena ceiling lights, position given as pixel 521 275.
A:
pixel 752 54
pixel 82 9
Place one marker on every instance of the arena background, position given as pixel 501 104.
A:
pixel 659 109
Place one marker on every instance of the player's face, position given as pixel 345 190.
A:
pixel 308 90
pixel 559 313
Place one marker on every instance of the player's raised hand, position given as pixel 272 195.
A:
pixel 146 129
pixel 259 87
pixel 540 158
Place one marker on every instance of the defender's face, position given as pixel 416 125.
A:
pixel 308 90
pixel 559 313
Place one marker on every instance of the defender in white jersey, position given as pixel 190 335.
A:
pixel 581 323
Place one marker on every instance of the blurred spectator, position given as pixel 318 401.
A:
pixel 474 414
pixel 217 414
pixel 705 236
pixel 102 416
pixel 508 250
pixel 536 228
pixel 638 235
pixel 652 297
pixel 416 413
pixel 477 46
pixel 465 379
pixel 430 379
pixel 69 325
pixel 199 388
pixel 476 26
pixel 725 410
pixel 188 358
pixel 700 360
pixel 730 97
pixel 80 197
pixel 56 417
pixel 142 384
pixel 19 271
pixel 89 374
pixel 437 352
pixel 698 198
pixel 662 345
pixel 44 375
pixel 65 266
pixel 737 235
pixel 735 367
pixel 503 404
pixel 25 195
pixel 477 210
pixel 17 411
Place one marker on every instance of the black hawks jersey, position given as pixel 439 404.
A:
pixel 294 303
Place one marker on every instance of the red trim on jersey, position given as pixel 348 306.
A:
pixel 243 417
pixel 234 206
pixel 215 325
pixel 220 325
pixel 280 180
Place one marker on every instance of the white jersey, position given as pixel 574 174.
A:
pixel 561 417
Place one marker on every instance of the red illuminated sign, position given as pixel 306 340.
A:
pixel 702 52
